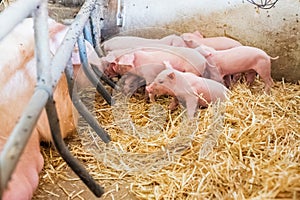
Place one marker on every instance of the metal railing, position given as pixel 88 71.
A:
pixel 49 71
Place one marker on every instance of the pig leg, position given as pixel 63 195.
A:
pixel 174 103
pixel 250 77
pixel 25 178
pixel 191 106
pixel 151 97
pixel 236 77
pixel 227 81
pixel 264 71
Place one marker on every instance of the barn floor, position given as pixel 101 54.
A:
pixel 255 155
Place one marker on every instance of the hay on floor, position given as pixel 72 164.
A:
pixel 247 149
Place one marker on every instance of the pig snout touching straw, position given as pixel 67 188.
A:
pixel 187 88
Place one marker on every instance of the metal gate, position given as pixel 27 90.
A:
pixel 49 70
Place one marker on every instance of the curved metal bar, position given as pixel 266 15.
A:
pixel 89 73
pixel 65 153
pixel 88 36
pixel 87 32
pixel 83 111
pixel 266 4
pixel 96 19
pixel 16 12
pixel 104 78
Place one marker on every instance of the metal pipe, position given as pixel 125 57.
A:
pixel 90 75
pixel 65 153
pixel 87 33
pixel 20 135
pixel 88 36
pixel 104 78
pixel 120 14
pixel 14 14
pixel 83 111
pixel 23 129
pixel 42 52
pixel 96 18
pixel 64 52
pixel 22 132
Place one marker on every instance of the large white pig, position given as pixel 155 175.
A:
pixel 17 84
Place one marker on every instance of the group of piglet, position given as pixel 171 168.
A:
pixel 193 69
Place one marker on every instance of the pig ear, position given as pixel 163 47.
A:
pixel 114 66
pixel 197 33
pixel 171 75
pixel 186 37
pixel 127 59
pixel 109 58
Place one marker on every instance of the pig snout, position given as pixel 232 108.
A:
pixel 149 89
pixel 129 83
pixel 150 92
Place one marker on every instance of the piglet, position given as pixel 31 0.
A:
pixel 132 79
pixel 243 59
pixel 125 42
pixel 187 88
pixel 181 58
pixel 195 39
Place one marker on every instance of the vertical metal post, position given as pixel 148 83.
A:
pixel 65 153
pixel 96 27
pixel 87 32
pixel 42 52
pixel 120 13
pixel 88 72
pixel 81 108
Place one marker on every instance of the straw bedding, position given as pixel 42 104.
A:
pixel 248 148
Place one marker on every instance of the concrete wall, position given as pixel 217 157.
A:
pixel 277 30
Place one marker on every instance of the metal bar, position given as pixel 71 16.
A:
pixel 88 36
pixel 15 13
pixel 22 132
pixel 119 15
pixel 65 153
pixel 42 52
pixel 87 32
pixel 63 54
pixel 90 75
pixel 83 111
pixel 96 28
pixel 103 77
pixel 20 135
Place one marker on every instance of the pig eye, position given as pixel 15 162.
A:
pixel 160 81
